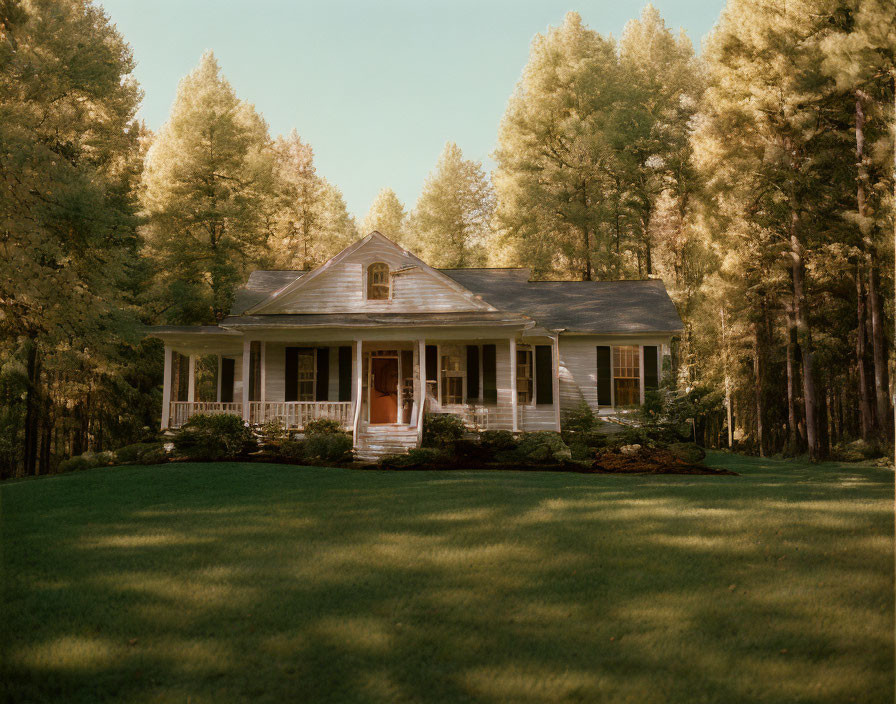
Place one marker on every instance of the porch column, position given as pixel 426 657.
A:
pixel 513 394
pixel 166 390
pixel 358 390
pixel 247 349
pixel 263 375
pixel 641 372
pixel 421 387
pixel 556 380
pixel 220 369
pixel 191 380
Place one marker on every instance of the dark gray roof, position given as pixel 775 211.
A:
pixel 575 306
pixel 340 320
pixel 260 285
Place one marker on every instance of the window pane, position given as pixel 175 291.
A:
pixel 378 282
pixel 627 375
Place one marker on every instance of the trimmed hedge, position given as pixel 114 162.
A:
pixel 213 437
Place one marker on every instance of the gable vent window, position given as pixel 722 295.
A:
pixel 378 282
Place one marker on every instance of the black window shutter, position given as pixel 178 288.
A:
pixel 291 375
pixel 489 374
pixel 432 363
pixel 228 366
pixel 651 375
pixel 473 372
pixel 604 398
pixel 544 375
pixel 322 390
pixel 183 377
pixel 345 373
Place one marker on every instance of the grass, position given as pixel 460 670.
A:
pixel 266 583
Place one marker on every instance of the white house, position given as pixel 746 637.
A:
pixel 375 337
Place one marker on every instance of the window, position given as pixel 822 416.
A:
pixel 627 375
pixel 305 374
pixel 452 378
pixel 378 285
pixel 524 376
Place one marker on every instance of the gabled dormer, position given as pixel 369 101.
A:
pixel 372 275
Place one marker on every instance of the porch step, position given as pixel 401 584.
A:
pixel 378 441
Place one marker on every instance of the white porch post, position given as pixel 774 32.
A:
pixel 191 386
pixel 513 394
pixel 356 424
pixel 641 371
pixel 421 387
pixel 247 348
pixel 220 369
pixel 166 390
pixel 556 380
pixel 263 379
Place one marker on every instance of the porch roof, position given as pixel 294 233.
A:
pixel 362 320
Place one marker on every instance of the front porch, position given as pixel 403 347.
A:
pixel 363 384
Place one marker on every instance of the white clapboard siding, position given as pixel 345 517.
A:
pixel 342 288
pixel 275 372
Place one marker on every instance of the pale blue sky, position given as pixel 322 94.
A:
pixel 376 88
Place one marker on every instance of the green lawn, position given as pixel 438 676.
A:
pixel 268 583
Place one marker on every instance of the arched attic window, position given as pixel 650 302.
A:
pixel 378 283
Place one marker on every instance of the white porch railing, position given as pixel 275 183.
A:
pixel 477 416
pixel 294 414
pixel 182 411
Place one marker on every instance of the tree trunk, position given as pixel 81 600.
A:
pixel 878 341
pixel 804 337
pixel 32 405
pixel 865 412
pixel 793 426
pixel 759 382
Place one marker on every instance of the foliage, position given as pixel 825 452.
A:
pixel 331 447
pixel 212 437
pixel 442 429
pixel 291 449
pixel 451 223
pixel 322 426
pixel 421 457
pixel 496 440
pixel 543 447
pixel 687 451
pixel 140 453
pixel 387 216
pixel 579 419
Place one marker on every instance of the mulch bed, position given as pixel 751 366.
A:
pixel 650 461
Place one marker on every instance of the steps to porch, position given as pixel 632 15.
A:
pixel 377 441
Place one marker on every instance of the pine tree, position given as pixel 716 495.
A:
pixel 451 222
pixel 387 216
pixel 556 156
pixel 207 189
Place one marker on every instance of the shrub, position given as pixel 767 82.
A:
pixel 291 449
pixel 418 457
pixel 442 429
pixel 688 451
pixel 130 454
pixel 497 440
pixel 543 446
pixel 272 431
pixel 213 437
pixel 322 426
pixel 327 446
pixel 582 451
pixel 579 419
pixel 74 464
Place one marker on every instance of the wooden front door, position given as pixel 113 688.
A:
pixel 383 390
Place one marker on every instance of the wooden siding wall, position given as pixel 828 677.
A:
pixel 342 289
pixel 578 366
pixel 275 375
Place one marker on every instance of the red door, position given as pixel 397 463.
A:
pixel 383 390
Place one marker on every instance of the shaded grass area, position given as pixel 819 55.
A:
pixel 234 582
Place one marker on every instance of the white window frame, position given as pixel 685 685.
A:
pixel 367 283
pixel 460 373
pixel 530 350
pixel 299 379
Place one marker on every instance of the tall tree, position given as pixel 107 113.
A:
pixel 207 187
pixel 387 216
pixel 68 147
pixel 309 219
pixel 556 155
pixel 451 223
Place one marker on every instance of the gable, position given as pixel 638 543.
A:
pixel 340 285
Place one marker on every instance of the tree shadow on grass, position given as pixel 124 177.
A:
pixel 228 582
